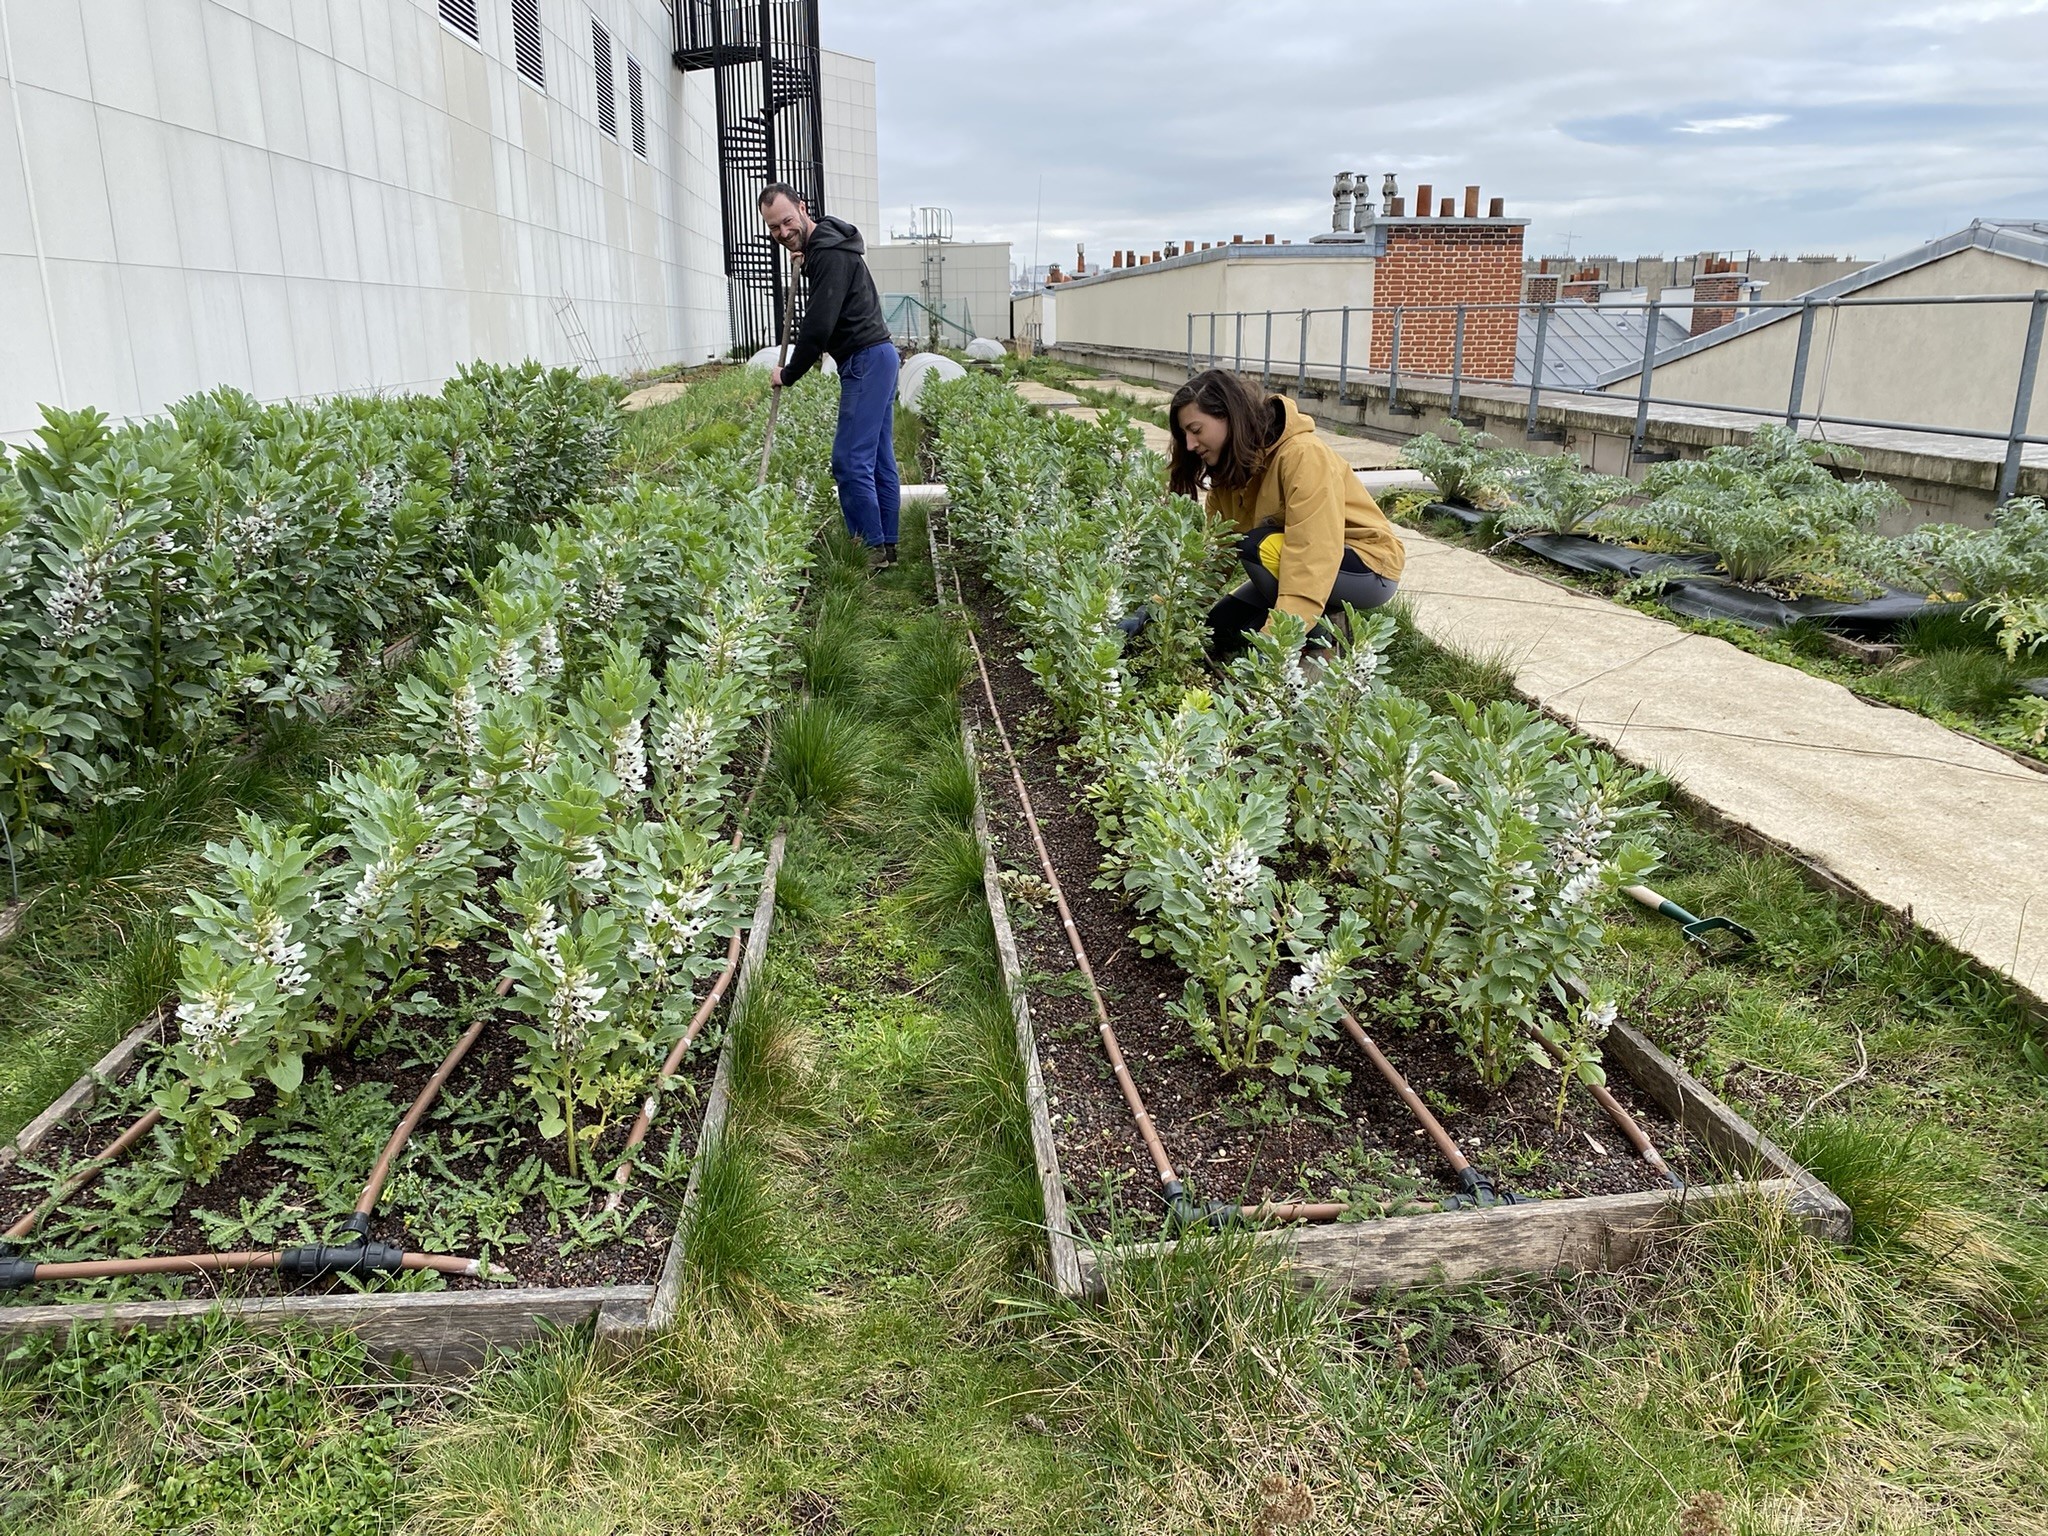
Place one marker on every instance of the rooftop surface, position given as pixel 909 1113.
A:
pixel 2023 239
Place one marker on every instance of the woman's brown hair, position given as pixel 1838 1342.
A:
pixel 1253 426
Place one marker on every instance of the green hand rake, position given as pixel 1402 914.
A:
pixel 1714 937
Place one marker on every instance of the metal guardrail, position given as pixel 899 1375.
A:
pixel 2016 438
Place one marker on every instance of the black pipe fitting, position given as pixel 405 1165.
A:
pixel 317 1261
pixel 1183 1211
pixel 1480 1192
pixel 16 1272
pixel 358 1224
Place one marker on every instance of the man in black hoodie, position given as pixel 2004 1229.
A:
pixel 844 318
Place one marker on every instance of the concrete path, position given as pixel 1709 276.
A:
pixel 1361 452
pixel 1137 394
pixel 1044 395
pixel 1358 452
pixel 1912 815
pixel 654 394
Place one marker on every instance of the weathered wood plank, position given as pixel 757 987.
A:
pixel 1066 1263
pixel 82 1094
pixel 668 1289
pixel 1734 1142
pixel 442 1333
pixel 1542 1237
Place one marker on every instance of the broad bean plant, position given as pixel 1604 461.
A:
pixel 198 575
pixel 1286 822
pixel 558 802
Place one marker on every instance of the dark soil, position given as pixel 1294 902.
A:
pixel 1225 1138
pixel 481 1103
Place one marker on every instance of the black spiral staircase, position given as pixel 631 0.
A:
pixel 764 59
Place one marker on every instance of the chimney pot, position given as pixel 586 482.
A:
pixel 1425 199
pixel 1205 245
pixel 1237 239
pixel 1116 260
pixel 1497 209
pixel 1269 239
pixel 1398 208
pixel 1471 202
pixel 1448 209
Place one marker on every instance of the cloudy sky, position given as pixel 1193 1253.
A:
pixel 1624 127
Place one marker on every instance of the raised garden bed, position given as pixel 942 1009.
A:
pixel 630 1289
pixel 1599 1204
pixel 1360 1149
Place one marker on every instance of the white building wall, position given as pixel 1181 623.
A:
pixel 853 183
pixel 300 197
pixel 1148 307
pixel 973 274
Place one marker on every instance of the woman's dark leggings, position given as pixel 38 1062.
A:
pixel 1246 610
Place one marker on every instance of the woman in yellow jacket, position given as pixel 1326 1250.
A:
pixel 1313 539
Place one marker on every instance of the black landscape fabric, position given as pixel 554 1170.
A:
pixel 1576 552
pixel 1874 618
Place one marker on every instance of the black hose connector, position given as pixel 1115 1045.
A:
pixel 1481 1193
pixel 16 1272
pixel 319 1260
pixel 1183 1211
pixel 358 1224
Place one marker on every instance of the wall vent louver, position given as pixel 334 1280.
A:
pixel 461 15
pixel 637 105
pixel 607 107
pixel 526 47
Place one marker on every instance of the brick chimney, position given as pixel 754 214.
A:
pixel 1715 288
pixel 1445 260
pixel 1116 261
pixel 1543 288
pixel 1424 200
pixel 1471 202
pixel 1585 286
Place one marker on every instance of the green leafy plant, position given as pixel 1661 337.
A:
pixel 1770 509
pixel 1554 493
pixel 1468 468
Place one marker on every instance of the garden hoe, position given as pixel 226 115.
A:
pixel 1697 930
pixel 775 399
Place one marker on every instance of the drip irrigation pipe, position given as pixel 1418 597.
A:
pixel 1480 1190
pixel 366 1203
pixel 293 1263
pixel 77 1180
pixel 1173 1189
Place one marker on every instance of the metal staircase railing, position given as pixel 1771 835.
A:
pixel 764 58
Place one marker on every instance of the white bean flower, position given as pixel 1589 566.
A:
pixel 1232 876
pixel 629 758
pixel 274 946
pixel 213 1020
pixel 465 720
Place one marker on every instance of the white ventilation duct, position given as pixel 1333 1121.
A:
pixel 767 357
pixel 920 370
